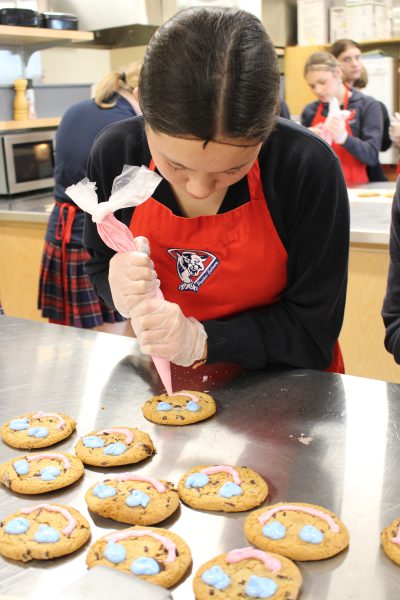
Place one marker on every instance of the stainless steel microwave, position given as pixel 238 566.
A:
pixel 26 161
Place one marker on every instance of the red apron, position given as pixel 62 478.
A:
pixel 354 171
pixel 207 270
pixel 63 234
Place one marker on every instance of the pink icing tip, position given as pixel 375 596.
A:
pixel 158 485
pixel 72 522
pixel 40 414
pixel 219 469
pixel 333 526
pixel 188 394
pixel 123 535
pixel 61 457
pixel 272 564
pixel 126 432
pixel 396 538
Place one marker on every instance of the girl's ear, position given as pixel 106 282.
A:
pixel 338 73
pixel 135 94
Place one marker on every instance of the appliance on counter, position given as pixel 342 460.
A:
pixel 26 161
pixel 57 20
pixel 22 17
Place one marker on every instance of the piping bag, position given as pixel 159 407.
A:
pixel 132 187
pixel 334 110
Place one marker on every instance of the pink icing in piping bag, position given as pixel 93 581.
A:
pixel 132 187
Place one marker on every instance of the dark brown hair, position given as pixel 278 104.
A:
pixel 209 72
pixel 342 45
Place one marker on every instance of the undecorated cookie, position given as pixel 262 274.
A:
pixel 114 446
pixel 152 553
pixel 134 499
pixel 222 487
pixel 247 573
pixel 297 530
pixel 43 531
pixel 182 408
pixel 37 430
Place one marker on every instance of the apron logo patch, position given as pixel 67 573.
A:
pixel 193 267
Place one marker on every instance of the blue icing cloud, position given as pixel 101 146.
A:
pixel 38 432
pixel 311 534
pixel 216 577
pixel 196 480
pixel 19 424
pixel 164 406
pixel 101 490
pixel 16 526
pixel 93 441
pixel 49 473
pixel 145 566
pixel 115 449
pixel 21 466
pixel 137 498
pixel 115 553
pixel 46 534
pixel 260 587
pixel 193 406
pixel 230 489
pixel 274 530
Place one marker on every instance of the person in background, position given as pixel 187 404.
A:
pixel 376 172
pixel 348 54
pixel 65 293
pixel 284 110
pixel 394 133
pixel 355 75
pixel 357 139
pixel 249 227
pixel 391 303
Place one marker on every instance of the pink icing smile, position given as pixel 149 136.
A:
pixel 219 469
pixel 123 535
pixel 272 564
pixel 158 485
pixel 40 414
pixel 334 527
pixel 72 522
pixel 126 432
pixel 61 457
pixel 188 394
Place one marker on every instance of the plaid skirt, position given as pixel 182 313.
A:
pixel 78 305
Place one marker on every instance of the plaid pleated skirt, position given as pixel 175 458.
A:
pixel 78 304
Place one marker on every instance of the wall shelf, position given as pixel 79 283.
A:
pixel 23 36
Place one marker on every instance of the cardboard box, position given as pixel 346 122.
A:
pixel 313 22
pixel 337 23
pixel 369 21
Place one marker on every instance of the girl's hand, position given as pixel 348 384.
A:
pixel 317 129
pixel 337 128
pixel 163 330
pixel 132 278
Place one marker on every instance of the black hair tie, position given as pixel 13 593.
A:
pixel 123 77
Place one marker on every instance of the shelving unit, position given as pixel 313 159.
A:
pixel 11 36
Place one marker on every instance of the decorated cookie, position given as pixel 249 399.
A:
pixel 114 446
pixel 43 531
pixel 390 538
pixel 155 554
pixel 247 573
pixel 37 430
pixel 40 472
pixel 182 408
pixel 230 489
pixel 133 499
pixel 297 530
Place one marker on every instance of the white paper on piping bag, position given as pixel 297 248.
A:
pixel 132 187
pixel 334 111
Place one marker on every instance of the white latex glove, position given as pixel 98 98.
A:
pixel 317 129
pixel 336 126
pixel 132 277
pixel 394 131
pixel 163 330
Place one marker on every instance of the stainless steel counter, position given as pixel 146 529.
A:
pixel 32 208
pixel 350 464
